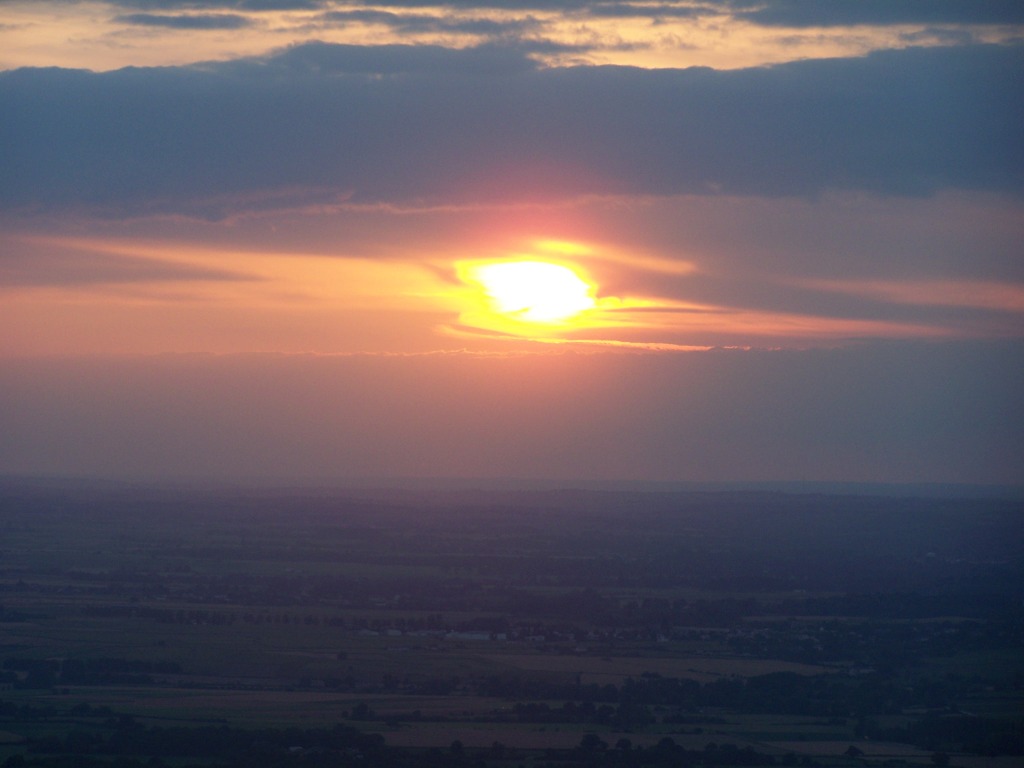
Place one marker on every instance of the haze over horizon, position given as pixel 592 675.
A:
pixel 255 239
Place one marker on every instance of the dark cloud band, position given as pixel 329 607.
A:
pixel 432 125
pixel 835 13
pixel 190 22
pixel 786 13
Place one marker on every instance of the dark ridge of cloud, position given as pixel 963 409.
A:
pixel 508 5
pixel 285 5
pixel 281 5
pixel 838 13
pixel 320 58
pixel 192 22
pixel 790 13
pixel 432 23
pixel 780 13
pixel 210 5
pixel 720 294
pixel 392 124
pixel 654 12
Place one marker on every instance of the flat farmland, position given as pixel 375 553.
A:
pixel 547 623
pixel 253 707
pixel 600 670
pixel 562 736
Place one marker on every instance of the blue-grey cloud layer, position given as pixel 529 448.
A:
pixel 418 23
pixel 798 13
pixel 435 125
pixel 207 5
pixel 189 22
pixel 831 13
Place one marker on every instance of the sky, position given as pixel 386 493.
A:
pixel 298 240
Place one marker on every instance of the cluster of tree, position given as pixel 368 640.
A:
pixel 161 615
pixel 627 716
pixel 133 746
pixel 773 693
pixel 840 697
pixel 231 746
pixel 594 751
pixel 9 615
pixel 12 711
pixel 876 643
pixel 961 733
pixel 46 673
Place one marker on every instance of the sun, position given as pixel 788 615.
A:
pixel 533 291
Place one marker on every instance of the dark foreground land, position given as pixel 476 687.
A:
pixel 168 627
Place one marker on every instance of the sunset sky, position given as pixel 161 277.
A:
pixel 774 240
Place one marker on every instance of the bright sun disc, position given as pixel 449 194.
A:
pixel 534 291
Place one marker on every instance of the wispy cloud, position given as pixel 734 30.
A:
pixel 191 22
pixel 42 262
pixel 977 294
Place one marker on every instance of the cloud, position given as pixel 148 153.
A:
pixel 786 13
pixel 653 11
pixel 38 262
pixel 760 308
pixel 940 35
pixel 833 13
pixel 419 23
pixel 317 58
pixel 189 22
pixel 208 5
pixel 429 125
